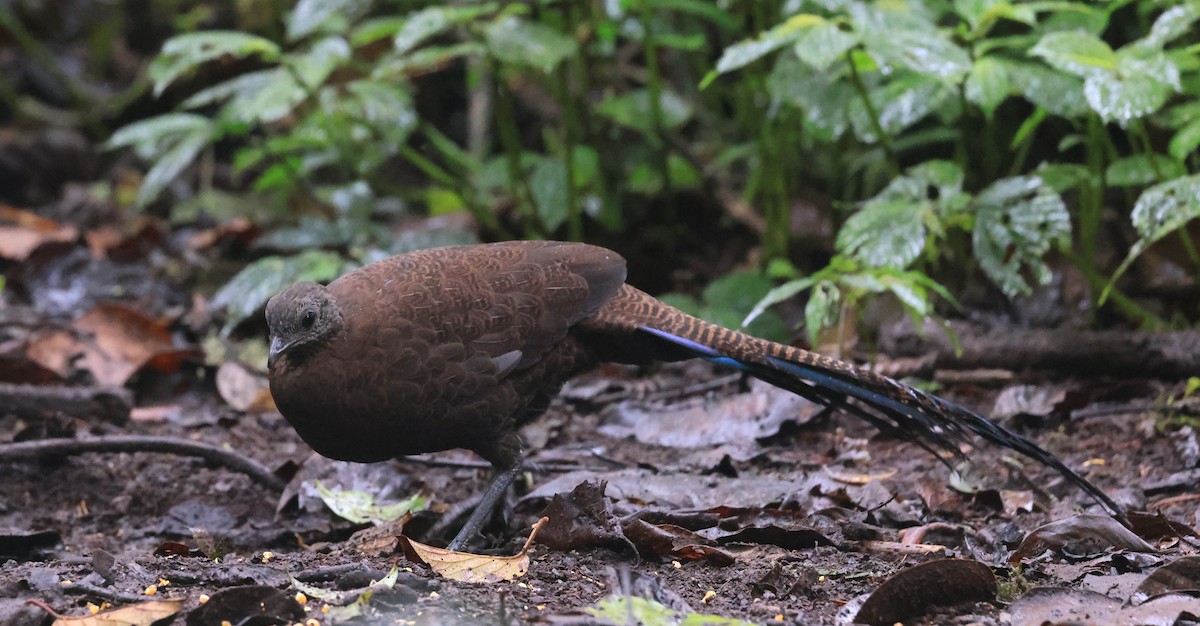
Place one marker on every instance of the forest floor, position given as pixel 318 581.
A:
pixel 793 514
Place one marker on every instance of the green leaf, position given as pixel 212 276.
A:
pixel 822 310
pixel 632 109
pixel 1158 212
pixel 184 52
pixel 331 16
pixel 1185 141
pixel 1172 24
pixel 1142 169
pixel 154 135
pixel 900 103
pixel 309 233
pixel 432 21
pixel 1017 220
pixel 315 65
pixel 782 293
pixel 1077 53
pixel 247 292
pixel 988 84
pixel 925 52
pixel 397 66
pixel 361 507
pixel 386 106
pixel 1166 207
pixel 746 52
pixel 630 610
pixel 728 299
pixel 257 97
pixel 520 42
pixel 823 97
pixel 1138 86
pixel 823 44
pixel 1058 93
pixel 548 184
pixel 884 233
pixel 1062 177
pixel 374 29
pixel 170 164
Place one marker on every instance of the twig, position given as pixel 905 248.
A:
pixel 142 443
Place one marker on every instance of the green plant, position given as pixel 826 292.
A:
pixel 890 84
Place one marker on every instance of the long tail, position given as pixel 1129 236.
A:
pixel 924 419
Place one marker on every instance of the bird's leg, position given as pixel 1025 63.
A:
pixel 487 505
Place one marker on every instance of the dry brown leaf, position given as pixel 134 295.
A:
pixel 142 614
pixel 124 341
pixel 22 232
pixel 472 568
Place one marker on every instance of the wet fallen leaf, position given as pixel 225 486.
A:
pixel 55 350
pixel 22 232
pixel 472 568
pixel 1078 537
pixel 1179 575
pixel 244 389
pixel 913 591
pixel 142 614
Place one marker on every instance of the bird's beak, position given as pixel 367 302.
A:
pixel 276 349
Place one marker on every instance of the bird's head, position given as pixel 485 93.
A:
pixel 301 316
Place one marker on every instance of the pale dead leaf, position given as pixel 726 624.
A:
pixel 244 389
pixel 55 350
pixel 473 568
pixel 142 614
pixel 858 478
pixel 22 232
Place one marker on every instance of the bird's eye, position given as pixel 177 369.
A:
pixel 308 319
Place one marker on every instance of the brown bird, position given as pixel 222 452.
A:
pixel 458 347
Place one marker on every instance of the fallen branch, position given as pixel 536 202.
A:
pixel 1168 355
pixel 49 448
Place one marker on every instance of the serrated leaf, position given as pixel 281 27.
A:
pixel 184 52
pixel 1017 220
pixel 1142 169
pixel 884 233
pixel 432 21
pixel 247 292
pixel 936 181
pixel 332 16
pixel 988 84
pixel 1076 52
pixel 548 184
pixel 925 52
pixel 823 44
pixel 520 42
pixel 823 97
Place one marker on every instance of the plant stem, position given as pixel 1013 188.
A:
pixel 506 122
pixel 876 125
pixel 654 92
